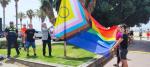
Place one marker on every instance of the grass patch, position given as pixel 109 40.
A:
pixel 76 56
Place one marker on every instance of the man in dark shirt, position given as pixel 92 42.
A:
pixel 124 43
pixel 11 34
pixel 123 46
pixel 30 40
pixel 131 38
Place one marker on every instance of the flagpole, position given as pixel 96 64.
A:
pixel 65 44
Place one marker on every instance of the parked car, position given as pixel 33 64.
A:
pixel 38 34
pixel 56 39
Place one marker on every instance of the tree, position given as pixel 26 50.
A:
pixel 4 3
pixel 114 12
pixel 57 4
pixel 41 14
pixel 16 6
pixel 21 15
pixel 30 14
pixel 47 7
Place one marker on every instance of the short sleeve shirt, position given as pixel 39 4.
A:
pixel 12 32
pixel 124 43
pixel 119 35
pixel 29 35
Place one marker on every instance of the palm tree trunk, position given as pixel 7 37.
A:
pixel 42 20
pixel 3 18
pixel 21 23
pixel 30 21
pixel 50 14
pixel 16 14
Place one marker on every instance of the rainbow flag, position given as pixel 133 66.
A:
pixel 71 19
pixel 96 39
pixel 90 36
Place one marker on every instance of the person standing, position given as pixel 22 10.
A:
pixel 11 34
pixel 118 36
pixel 148 34
pixel 30 39
pixel 23 30
pixel 140 34
pixel 131 34
pixel 123 46
pixel 46 39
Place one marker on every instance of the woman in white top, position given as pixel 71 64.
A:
pixel 46 38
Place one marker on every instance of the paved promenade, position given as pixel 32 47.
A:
pixel 138 56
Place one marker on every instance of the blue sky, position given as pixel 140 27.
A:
pixel 25 5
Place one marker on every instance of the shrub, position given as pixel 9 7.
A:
pixel 3 44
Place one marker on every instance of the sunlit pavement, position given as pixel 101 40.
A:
pixel 138 56
pixel 11 65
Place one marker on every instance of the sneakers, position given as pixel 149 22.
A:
pixel 116 65
pixel 8 58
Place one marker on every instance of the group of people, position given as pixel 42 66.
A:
pixel 27 38
pixel 147 34
pixel 123 38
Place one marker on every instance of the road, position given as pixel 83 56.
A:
pixel 138 56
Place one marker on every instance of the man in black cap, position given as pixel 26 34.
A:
pixel 11 34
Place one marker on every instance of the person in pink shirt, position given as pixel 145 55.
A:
pixel 118 36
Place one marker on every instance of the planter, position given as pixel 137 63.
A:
pixel 98 62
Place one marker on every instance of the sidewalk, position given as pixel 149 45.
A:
pixel 2 64
pixel 138 56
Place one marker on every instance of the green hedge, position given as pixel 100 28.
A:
pixel 3 44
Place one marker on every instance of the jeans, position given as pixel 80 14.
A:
pixel 28 44
pixel 48 42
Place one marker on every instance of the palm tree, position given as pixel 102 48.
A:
pixel 56 4
pixel 41 14
pixel 30 14
pixel 4 3
pixel 48 9
pixel 21 15
pixel 16 6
